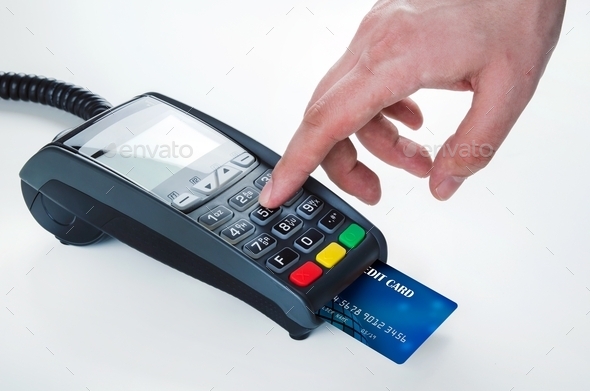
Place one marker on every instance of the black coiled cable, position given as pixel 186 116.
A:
pixel 64 96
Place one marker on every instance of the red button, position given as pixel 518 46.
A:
pixel 306 274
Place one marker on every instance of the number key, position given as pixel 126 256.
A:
pixel 215 217
pixel 287 226
pixel 260 245
pixel 237 231
pixel 309 208
pixel 244 199
pixel 309 240
pixel 263 216
pixel 263 179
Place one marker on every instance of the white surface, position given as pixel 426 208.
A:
pixel 511 247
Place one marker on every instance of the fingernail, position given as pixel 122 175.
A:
pixel 265 193
pixel 449 186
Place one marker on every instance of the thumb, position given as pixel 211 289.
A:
pixel 495 108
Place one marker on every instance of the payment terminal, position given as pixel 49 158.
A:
pixel 183 187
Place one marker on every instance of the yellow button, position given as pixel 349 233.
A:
pixel 331 255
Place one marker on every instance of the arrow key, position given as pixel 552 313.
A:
pixel 226 174
pixel 208 185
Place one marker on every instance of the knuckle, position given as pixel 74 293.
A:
pixel 382 47
pixel 391 40
pixel 315 121
pixel 400 29
pixel 379 118
pixel 475 155
pixel 313 117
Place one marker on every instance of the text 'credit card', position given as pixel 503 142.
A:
pixel 388 311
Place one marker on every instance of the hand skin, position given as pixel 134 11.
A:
pixel 497 48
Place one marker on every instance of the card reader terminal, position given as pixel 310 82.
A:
pixel 183 187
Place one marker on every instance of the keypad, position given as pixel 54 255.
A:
pixel 298 228
pixel 260 245
pixel 263 216
pixel 237 231
pixel 244 199
pixel 287 226
pixel 309 208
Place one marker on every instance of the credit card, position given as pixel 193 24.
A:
pixel 388 311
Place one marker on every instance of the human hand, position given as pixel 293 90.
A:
pixel 498 49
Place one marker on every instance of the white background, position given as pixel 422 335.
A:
pixel 511 247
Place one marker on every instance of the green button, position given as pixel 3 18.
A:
pixel 352 236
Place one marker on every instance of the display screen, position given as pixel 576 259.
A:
pixel 158 152
pixel 156 146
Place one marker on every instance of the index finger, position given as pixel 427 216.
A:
pixel 346 107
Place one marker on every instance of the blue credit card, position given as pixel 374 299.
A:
pixel 388 311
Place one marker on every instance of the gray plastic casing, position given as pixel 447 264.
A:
pixel 58 162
